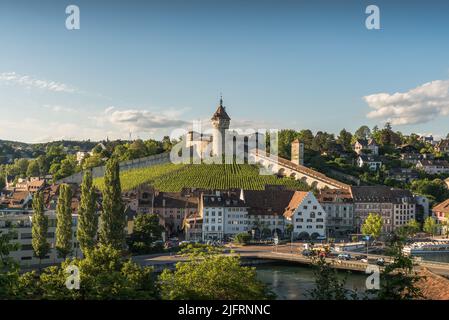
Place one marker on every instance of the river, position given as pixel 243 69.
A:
pixel 293 282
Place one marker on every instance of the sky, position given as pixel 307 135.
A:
pixel 149 67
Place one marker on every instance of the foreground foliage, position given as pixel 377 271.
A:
pixel 211 276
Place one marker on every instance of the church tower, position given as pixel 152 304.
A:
pixel 220 123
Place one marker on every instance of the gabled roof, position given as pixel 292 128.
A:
pixel 296 200
pixel 442 207
pixel 268 201
pixel 430 163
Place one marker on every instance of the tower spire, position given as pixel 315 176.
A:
pixel 221 99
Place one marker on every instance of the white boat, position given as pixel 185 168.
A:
pixel 426 247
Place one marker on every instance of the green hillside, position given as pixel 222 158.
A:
pixel 172 178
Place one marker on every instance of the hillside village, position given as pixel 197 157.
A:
pixel 401 178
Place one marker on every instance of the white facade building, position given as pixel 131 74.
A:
pixel 307 216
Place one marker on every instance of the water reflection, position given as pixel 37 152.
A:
pixel 293 282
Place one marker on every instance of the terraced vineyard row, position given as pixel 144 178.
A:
pixel 172 178
pixel 135 177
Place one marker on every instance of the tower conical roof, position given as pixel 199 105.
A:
pixel 221 112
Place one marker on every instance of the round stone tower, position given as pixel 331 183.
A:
pixel 220 123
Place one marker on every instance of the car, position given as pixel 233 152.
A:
pixel 344 256
pixel 360 257
pixel 307 253
pixel 364 260
pixel 380 262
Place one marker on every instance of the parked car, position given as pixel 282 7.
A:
pixel 360 257
pixel 307 253
pixel 380 262
pixel 344 256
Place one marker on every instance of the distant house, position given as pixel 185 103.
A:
pixel 427 139
pixel 362 145
pixel 80 155
pixel 411 158
pixel 433 166
pixel 443 146
pixel 403 174
pixel 441 212
pixel 373 162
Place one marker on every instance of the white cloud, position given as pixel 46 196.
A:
pixel 143 120
pixel 419 105
pixel 31 82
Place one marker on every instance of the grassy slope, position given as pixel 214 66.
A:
pixel 172 178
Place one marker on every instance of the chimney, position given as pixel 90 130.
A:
pixel 297 152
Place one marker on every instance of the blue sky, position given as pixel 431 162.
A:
pixel 151 66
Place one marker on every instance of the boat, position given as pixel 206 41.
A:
pixel 426 247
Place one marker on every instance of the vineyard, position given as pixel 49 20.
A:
pixel 172 178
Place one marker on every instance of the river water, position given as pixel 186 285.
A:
pixel 293 281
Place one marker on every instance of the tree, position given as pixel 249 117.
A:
pixel 113 219
pixel 104 275
pixel 344 139
pixel 362 133
pixel 212 277
pixel 68 166
pixel 328 286
pixel 33 169
pixel 398 280
pixel 242 238
pixel 64 221
pixel 39 228
pixel 430 226
pixel 413 226
pixel 435 189
pixel 373 225
pixel 9 269
pixel 146 231
pixel 87 215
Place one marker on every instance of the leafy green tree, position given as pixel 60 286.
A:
pixel 146 231
pixel 398 280
pixel 212 277
pixel 90 162
pixel 33 169
pixel 113 219
pixel 373 225
pixel 344 139
pixel 430 226
pixel 363 132
pixel 68 166
pixel 39 228
pixel 434 189
pixel 328 285
pixel 9 269
pixel 87 215
pixel 64 221
pixel 414 226
pixel 104 275
pixel 242 238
